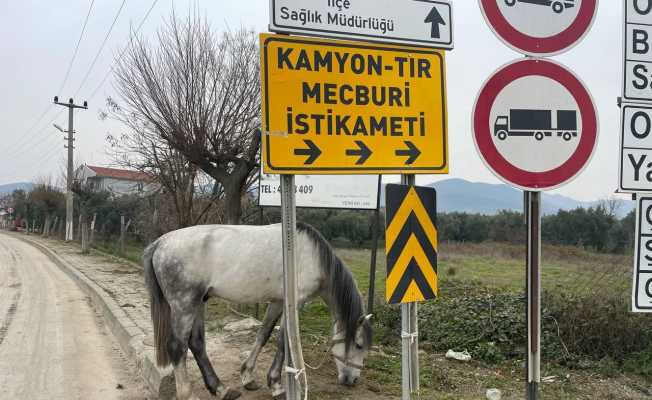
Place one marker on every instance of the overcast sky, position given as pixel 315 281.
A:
pixel 38 38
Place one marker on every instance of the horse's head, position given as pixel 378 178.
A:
pixel 350 353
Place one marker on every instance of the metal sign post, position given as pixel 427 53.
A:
pixel 294 365
pixel 409 336
pixel 374 250
pixel 533 364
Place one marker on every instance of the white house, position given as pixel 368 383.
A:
pixel 116 181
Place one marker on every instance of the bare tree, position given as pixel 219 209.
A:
pixel 200 94
pixel 146 151
pixel 611 205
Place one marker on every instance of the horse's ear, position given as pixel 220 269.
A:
pixel 364 318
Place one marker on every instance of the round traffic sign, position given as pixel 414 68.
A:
pixel 535 124
pixel 540 27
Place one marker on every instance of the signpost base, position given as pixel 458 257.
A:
pixel 294 364
pixel 533 362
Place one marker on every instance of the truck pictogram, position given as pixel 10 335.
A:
pixel 558 6
pixel 537 123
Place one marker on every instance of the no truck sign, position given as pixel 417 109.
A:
pixel 412 22
pixel 540 27
pixel 535 124
pixel 335 107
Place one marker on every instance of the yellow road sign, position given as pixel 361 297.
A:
pixel 337 107
pixel 411 244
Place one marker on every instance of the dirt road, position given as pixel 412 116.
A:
pixel 53 345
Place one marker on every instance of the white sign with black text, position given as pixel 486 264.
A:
pixel 413 22
pixel 636 149
pixel 637 66
pixel 642 287
pixel 323 191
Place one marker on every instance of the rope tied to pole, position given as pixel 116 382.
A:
pixel 412 336
pixel 298 374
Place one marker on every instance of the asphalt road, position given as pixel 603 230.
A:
pixel 53 345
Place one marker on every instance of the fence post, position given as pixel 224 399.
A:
pixel 91 240
pixel 84 232
pixel 122 235
pixel 55 227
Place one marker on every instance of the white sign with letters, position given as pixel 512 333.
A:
pixel 413 22
pixel 323 191
pixel 636 149
pixel 637 66
pixel 642 288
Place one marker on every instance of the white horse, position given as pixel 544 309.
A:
pixel 244 264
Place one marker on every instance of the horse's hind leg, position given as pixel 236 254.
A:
pixel 274 375
pixel 272 315
pixel 198 348
pixel 178 349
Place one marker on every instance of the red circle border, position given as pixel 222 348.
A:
pixel 483 135
pixel 535 45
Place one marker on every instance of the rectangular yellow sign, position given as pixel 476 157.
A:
pixel 337 107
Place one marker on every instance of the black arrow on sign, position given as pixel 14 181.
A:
pixel 435 19
pixel 412 153
pixel 312 152
pixel 363 152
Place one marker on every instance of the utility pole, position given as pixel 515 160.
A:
pixel 71 138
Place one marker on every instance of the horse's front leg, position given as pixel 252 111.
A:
pixel 272 315
pixel 274 375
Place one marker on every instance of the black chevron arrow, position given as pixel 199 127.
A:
pixel 435 19
pixel 312 152
pixel 412 153
pixel 363 152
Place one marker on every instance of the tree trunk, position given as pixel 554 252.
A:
pixel 232 206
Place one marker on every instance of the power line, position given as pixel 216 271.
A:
pixel 20 143
pixel 97 56
pixel 74 56
pixel 32 139
pixel 142 22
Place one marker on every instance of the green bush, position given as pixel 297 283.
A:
pixel 588 327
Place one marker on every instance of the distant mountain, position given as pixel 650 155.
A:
pixel 10 187
pixel 459 195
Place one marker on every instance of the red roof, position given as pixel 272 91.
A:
pixel 121 174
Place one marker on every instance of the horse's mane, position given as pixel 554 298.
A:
pixel 343 291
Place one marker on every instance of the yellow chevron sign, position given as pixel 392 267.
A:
pixel 411 244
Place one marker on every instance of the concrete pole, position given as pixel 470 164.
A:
pixel 69 178
pixel 69 196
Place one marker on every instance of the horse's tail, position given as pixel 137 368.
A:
pixel 159 307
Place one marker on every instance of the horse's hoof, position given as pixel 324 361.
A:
pixel 252 386
pixel 278 392
pixel 231 394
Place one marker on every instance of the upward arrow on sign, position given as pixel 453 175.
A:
pixel 435 18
